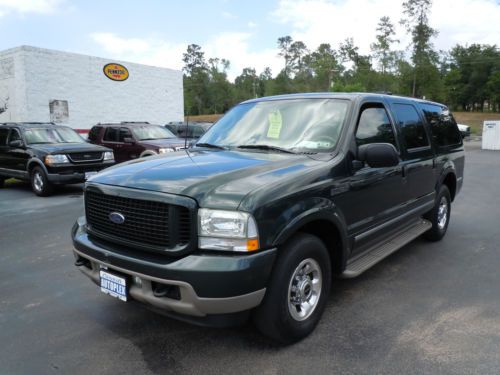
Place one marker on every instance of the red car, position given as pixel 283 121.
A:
pixel 131 140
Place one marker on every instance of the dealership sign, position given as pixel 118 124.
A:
pixel 116 72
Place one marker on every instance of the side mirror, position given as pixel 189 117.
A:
pixel 378 155
pixel 17 143
pixel 129 140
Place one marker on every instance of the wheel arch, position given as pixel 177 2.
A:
pixel 35 163
pixel 449 179
pixel 328 226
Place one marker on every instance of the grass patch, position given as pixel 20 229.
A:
pixel 475 119
pixel 203 118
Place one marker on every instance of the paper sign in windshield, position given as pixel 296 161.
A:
pixel 275 123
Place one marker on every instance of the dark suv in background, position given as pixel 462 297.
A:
pixel 132 140
pixel 48 155
pixel 191 131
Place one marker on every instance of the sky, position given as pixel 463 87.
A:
pixel 157 32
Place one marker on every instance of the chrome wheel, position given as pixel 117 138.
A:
pixel 442 213
pixel 304 289
pixel 38 181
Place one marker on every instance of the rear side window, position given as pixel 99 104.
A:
pixel 444 128
pixel 3 136
pixel 374 126
pixel 411 126
pixel 94 133
pixel 14 135
pixel 111 134
pixel 124 133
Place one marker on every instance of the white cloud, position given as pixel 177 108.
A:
pixel 251 24
pixel 318 21
pixel 234 47
pixel 229 15
pixel 145 51
pixel 29 6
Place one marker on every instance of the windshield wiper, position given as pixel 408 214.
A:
pixel 268 147
pixel 209 145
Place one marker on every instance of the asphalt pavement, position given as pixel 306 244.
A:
pixel 430 308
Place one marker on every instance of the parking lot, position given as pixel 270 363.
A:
pixel 429 308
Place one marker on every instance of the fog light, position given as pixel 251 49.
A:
pixel 137 281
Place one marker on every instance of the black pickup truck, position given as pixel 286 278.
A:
pixel 279 196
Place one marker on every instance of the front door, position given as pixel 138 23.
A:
pixel 17 157
pixel 376 194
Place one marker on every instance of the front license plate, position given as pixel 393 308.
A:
pixel 113 285
pixel 89 174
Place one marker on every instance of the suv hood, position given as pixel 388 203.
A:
pixel 67 148
pixel 216 179
pixel 165 142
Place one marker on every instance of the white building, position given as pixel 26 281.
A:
pixel 44 85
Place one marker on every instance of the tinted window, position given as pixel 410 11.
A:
pixel 111 134
pixel 444 128
pixel 411 126
pixel 124 133
pixel 375 127
pixel 3 136
pixel 94 133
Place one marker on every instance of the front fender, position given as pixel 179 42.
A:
pixel 36 162
pixel 301 213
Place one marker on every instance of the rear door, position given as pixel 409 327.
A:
pixel 17 157
pixel 417 154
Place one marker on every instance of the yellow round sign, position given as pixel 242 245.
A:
pixel 116 72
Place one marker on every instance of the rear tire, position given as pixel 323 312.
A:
pixel 439 216
pixel 40 183
pixel 2 182
pixel 298 290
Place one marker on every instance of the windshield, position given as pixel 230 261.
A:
pixel 143 133
pixel 52 135
pixel 310 125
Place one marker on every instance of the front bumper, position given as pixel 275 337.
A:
pixel 208 284
pixel 74 174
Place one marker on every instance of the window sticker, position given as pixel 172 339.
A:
pixel 275 123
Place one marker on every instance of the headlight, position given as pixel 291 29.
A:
pixel 56 159
pixel 165 150
pixel 227 230
pixel 108 155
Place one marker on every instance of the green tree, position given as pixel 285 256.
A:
pixel 196 80
pixel 246 85
pixel 424 58
pixel 325 66
pixel 220 89
pixel 381 49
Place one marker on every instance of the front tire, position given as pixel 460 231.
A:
pixel 2 182
pixel 298 290
pixel 40 183
pixel 439 216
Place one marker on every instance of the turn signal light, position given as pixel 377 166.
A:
pixel 253 245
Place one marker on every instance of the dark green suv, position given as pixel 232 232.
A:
pixel 279 196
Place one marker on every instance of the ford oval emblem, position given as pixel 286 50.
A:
pixel 116 218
